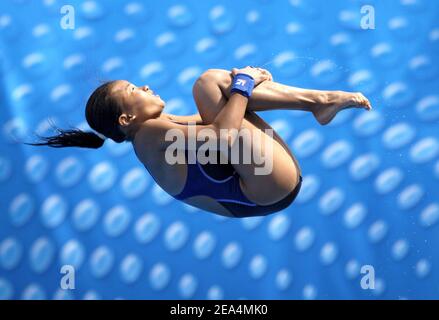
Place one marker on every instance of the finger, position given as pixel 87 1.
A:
pixel 268 74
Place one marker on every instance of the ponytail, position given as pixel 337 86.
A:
pixel 102 113
pixel 71 138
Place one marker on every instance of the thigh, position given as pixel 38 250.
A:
pixel 283 177
pixel 257 121
pixel 268 188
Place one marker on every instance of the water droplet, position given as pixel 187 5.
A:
pixel 155 74
pixel 61 294
pixel 398 95
pixel 307 143
pixel 160 197
pixel 6 289
pixel 342 43
pixel 410 196
pixel 146 228
pixel 368 123
pixel 92 10
pixel 258 266
pixel 176 236
pixel 69 172
pixel 21 209
pixel 127 40
pixel 101 262
pixel 251 223
pixel 352 269
pixel 72 253
pixel 328 253
pixel 102 177
pixel 398 135
pixel 422 268
pixel 429 215
pixel 258 25
pixel 187 77
pixel 422 67
pixel 325 72
pixel 168 44
pixel 204 245
pixel 134 183
pixel 402 28
pixel 278 226
pixel 363 166
pixel 336 154
pixel 283 279
pixel 85 214
pixel 331 201
pixel 180 16
pixel 400 249
pixel 231 255
pixel 309 188
pixel 427 108
pixel 209 49
pixel 92 295
pixel 187 285
pixel 350 19
pixel 116 221
pixel 36 64
pixel 85 37
pixel 10 253
pixel 33 292
pixel 36 168
pixel 309 292
pixel 159 276
pixel 424 150
pixel 377 231
pixel 354 215
pixel 130 268
pixel 5 169
pixel 221 20
pixel 53 211
pixel 304 239
pixel 41 254
pixel 363 81
pixel 215 293
pixel 300 35
pixel 388 180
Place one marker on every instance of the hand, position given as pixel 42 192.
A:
pixel 258 74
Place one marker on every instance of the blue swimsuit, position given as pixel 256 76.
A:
pixel 221 182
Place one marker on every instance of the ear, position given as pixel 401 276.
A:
pixel 125 120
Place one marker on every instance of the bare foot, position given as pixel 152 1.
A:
pixel 339 100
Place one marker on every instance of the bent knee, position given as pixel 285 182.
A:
pixel 218 77
pixel 212 74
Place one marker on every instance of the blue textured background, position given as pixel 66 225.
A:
pixel 370 191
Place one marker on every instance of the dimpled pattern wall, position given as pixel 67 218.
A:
pixel 370 189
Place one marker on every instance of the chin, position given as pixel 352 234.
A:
pixel 159 111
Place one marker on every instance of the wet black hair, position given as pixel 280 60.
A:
pixel 102 113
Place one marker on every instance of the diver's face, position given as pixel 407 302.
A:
pixel 138 102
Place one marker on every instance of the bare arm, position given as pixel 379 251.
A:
pixel 223 128
pixel 159 131
pixel 194 118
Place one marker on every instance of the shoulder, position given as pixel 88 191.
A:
pixel 153 131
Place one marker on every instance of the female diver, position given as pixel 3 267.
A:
pixel 121 111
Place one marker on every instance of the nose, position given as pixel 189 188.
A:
pixel 146 89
